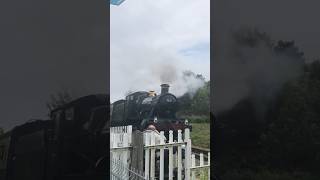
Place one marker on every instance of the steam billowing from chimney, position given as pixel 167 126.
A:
pixel 181 81
pixel 165 68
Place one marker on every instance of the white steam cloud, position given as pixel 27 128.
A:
pixel 154 42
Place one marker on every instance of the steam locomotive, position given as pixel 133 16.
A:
pixel 72 144
pixel 140 109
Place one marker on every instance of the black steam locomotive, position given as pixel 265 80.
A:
pixel 142 108
pixel 71 145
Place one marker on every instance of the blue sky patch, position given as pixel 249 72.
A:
pixel 200 49
pixel 116 2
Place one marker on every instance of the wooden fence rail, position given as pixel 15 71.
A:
pixel 163 159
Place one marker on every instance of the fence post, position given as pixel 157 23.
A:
pixel 114 141
pixel 125 154
pixel 209 165
pixel 179 155
pixel 147 151
pixel 137 153
pixel 129 131
pixel 187 153
pixel 201 164
pixel 193 164
pixel 152 157
pixel 170 156
pixel 162 156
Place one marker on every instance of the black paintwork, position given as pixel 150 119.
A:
pixel 71 145
pixel 140 109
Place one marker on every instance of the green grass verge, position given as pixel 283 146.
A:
pixel 202 174
pixel 200 135
pixel 197 119
pixel 268 175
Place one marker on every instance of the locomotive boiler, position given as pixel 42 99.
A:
pixel 142 108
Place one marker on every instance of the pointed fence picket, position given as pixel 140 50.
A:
pixel 181 162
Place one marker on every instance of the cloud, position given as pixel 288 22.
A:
pixel 149 40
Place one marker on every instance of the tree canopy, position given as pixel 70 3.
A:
pixel 288 137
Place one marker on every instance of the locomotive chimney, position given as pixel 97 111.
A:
pixel 164 88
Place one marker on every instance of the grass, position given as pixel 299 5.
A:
pixel 197 119
pixel 268 175
pixel 202 174
pixel 200 135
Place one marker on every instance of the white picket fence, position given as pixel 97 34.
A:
pixel 180 163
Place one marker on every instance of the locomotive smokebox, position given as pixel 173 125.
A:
pixel 164 88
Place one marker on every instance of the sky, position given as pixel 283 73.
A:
pixel 47 47
pixel 151 39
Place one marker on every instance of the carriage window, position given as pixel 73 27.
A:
pixel 69 114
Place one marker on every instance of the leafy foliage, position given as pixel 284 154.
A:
pixel 294 136
pixel 286 139
pixel 198 104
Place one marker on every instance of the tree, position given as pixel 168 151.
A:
pixel 1 131
pixel 261 129
pixel 200 104
pixel 185 104
pixel 292 139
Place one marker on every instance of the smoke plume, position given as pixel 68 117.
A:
pixel 248 64
pixel 149 70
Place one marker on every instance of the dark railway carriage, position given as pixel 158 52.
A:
pixel 27 153
pixel 80 137
pixel 5 140
pixel 72 145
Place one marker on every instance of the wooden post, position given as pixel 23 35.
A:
pixel 137 153
pixel 129 131
pixel 170 156
pixel 147 151
pixel 187 153
pixel 125 155
pixel 201 164
pixel 179 156
pixel 209 165
pixel 193 164
pixel 162 157
pixel 152 157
